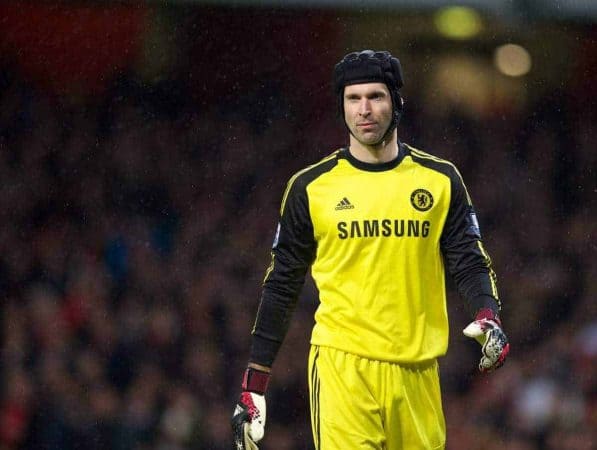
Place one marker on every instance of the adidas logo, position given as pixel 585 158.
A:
pixel 344 204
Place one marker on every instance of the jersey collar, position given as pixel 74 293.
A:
pixel 373 167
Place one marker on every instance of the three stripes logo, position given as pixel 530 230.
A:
pixel 344 204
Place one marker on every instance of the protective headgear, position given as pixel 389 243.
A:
pixel 368 66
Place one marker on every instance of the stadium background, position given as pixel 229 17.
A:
pixel 144 147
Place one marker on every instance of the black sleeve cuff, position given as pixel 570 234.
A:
pixel 263 350
pixel 483 302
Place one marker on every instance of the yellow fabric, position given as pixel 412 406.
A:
pixel 359 403
pixel 382 295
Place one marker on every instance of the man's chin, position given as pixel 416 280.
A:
pixel 369 139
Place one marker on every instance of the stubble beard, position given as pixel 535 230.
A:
pixel 367 138
pixel 373 140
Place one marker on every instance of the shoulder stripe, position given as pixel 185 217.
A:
pixel 425 155
pixel 299 173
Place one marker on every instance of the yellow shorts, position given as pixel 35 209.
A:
pixel 358 403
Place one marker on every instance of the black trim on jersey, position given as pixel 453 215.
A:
pixel 460 244
pixel 315 400
pixel 373 167
pixel 291 258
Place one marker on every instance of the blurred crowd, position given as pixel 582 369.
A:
pixel 136 232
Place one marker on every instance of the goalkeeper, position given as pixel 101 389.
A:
pixel 376 222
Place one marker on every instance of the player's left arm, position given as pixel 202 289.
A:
pixel 472 271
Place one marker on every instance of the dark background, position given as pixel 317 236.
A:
pixel 144 149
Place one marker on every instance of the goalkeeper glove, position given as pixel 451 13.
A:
pixel 487 330
pixel 248 419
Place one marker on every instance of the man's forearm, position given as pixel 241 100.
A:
pixel 263 350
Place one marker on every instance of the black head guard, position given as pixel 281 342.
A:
pixel 368 66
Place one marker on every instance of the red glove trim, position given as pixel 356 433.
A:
pixel 255 381
pixel 247 400
pixel 487 313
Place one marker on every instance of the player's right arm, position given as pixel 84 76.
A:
pixel 293 251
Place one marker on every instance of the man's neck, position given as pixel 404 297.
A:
pixel 385 151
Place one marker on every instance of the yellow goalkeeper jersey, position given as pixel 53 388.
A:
pixel 377 238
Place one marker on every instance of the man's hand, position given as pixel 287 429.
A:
pixel 248 419
pixel 487 330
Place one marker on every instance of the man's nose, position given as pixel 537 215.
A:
pixel 364 107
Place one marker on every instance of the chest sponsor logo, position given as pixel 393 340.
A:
pixel 383 228
pixel 421 199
